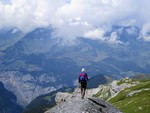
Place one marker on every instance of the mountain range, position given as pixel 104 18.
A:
pixel 36 62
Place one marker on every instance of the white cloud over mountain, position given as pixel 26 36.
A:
pixel 145 32
pixel 95 34
pixel 75 18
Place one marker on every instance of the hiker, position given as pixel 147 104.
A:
pixel 82 79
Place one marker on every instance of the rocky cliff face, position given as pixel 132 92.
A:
pixel 27 87
pixel 72 103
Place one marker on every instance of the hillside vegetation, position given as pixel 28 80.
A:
pixel 135 99
pixel 130 96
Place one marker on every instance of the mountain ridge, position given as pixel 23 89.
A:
pixel 67 103
pixel 39 55
pixel 86 105
pixel 116 92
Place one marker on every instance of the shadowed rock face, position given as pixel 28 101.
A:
pixel 87 105
pixel 8 101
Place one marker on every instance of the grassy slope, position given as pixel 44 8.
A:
pixel 137 103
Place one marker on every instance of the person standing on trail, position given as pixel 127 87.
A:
pixel 82 79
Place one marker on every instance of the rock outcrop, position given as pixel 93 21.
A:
pixel 72 103
pixel 110 90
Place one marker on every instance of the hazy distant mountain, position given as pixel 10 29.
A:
pixel 39 63
pixel 8 37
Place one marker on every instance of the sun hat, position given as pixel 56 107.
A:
pixel 83 70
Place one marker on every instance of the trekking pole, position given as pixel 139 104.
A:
pixel 86 92
pixel 75 91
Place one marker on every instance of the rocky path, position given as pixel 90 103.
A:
pixel 74 104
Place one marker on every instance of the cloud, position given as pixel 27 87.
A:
pixel 114 38
pixel 132 30
pixel 95 34
pixel 74 18
pixel 5 1
pixel 145 32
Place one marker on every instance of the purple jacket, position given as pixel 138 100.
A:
pixel 83 74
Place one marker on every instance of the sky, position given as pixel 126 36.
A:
pixel 76 18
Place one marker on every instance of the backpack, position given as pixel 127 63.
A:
pixel 82 78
